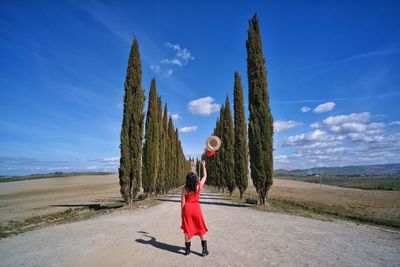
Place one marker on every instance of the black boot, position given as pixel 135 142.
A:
pixel 187 245
pixel 204 245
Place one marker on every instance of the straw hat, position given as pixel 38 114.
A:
pixel 213 143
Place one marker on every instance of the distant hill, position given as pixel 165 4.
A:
pixel 362 170
pixel 5 179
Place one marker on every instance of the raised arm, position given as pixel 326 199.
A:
pixel 203 180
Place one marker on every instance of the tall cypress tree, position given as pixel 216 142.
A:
pixel 220 156
pixel 260 117
pixel 241 149
pixel 211 163
pixel 151 144
pixel 228 136
pixel 177 158
pixel 161 167
pixel 132 127
pixel 166 148
pixel 170 163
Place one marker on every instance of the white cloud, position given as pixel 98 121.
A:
pixel 188 129
pixel 328 106
pixel 395 123
pixel 315 125
pixel 353 117
pixel 349 127
pixel 176 117
pixel 317 135
pixel 305 109
pixel 341 140
pixel 203 106
pixel 281 125
pixel 281 159
pixel 111 159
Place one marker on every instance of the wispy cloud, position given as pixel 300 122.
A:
pixel 376 53
pixel 370 54
pixel 393 93
pixel 203 106
pixel 188 129
pixel 328 106
pixel 181 58
pixel 305 109
pixel 395 123
pixel 281 125
pixel 155 68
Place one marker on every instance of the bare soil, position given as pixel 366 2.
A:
pixel 30 198
pixel 378 206
pixel 238 236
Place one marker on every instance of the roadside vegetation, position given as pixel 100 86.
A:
pixel 74 213
pixel 367 184
pixel 328 202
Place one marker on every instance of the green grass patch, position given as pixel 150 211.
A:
pixel 368 184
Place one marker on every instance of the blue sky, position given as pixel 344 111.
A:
pixel 332 75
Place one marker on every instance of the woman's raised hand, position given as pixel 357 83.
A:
pixel 203 163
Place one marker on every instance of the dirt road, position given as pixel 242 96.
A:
pixel 239 236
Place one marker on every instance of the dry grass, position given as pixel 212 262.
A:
pixel 30 204
pixel 307 199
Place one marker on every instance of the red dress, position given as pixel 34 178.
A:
pixel 192 218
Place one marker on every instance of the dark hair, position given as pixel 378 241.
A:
pixel 191 182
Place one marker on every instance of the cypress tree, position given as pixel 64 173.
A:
pixel 161 167
pixel 132 127
pixel 151 143
pixel 220 156
pixel 260 117
pixel 182 171
pixel 170 163
pixel 177 158
pixel 211 169
pixel 228 136
pixel 166 148
pixel 240 152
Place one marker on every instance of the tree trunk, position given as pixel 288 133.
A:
pixel 241 194
pixel 131 192
pixel 262 198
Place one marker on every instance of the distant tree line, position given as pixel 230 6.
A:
pixel 229 169
pixel 156 163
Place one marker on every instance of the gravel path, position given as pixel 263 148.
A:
pixel 239 236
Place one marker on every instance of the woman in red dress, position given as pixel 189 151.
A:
pixel 192 217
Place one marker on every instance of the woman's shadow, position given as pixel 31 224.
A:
pixel 171 248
